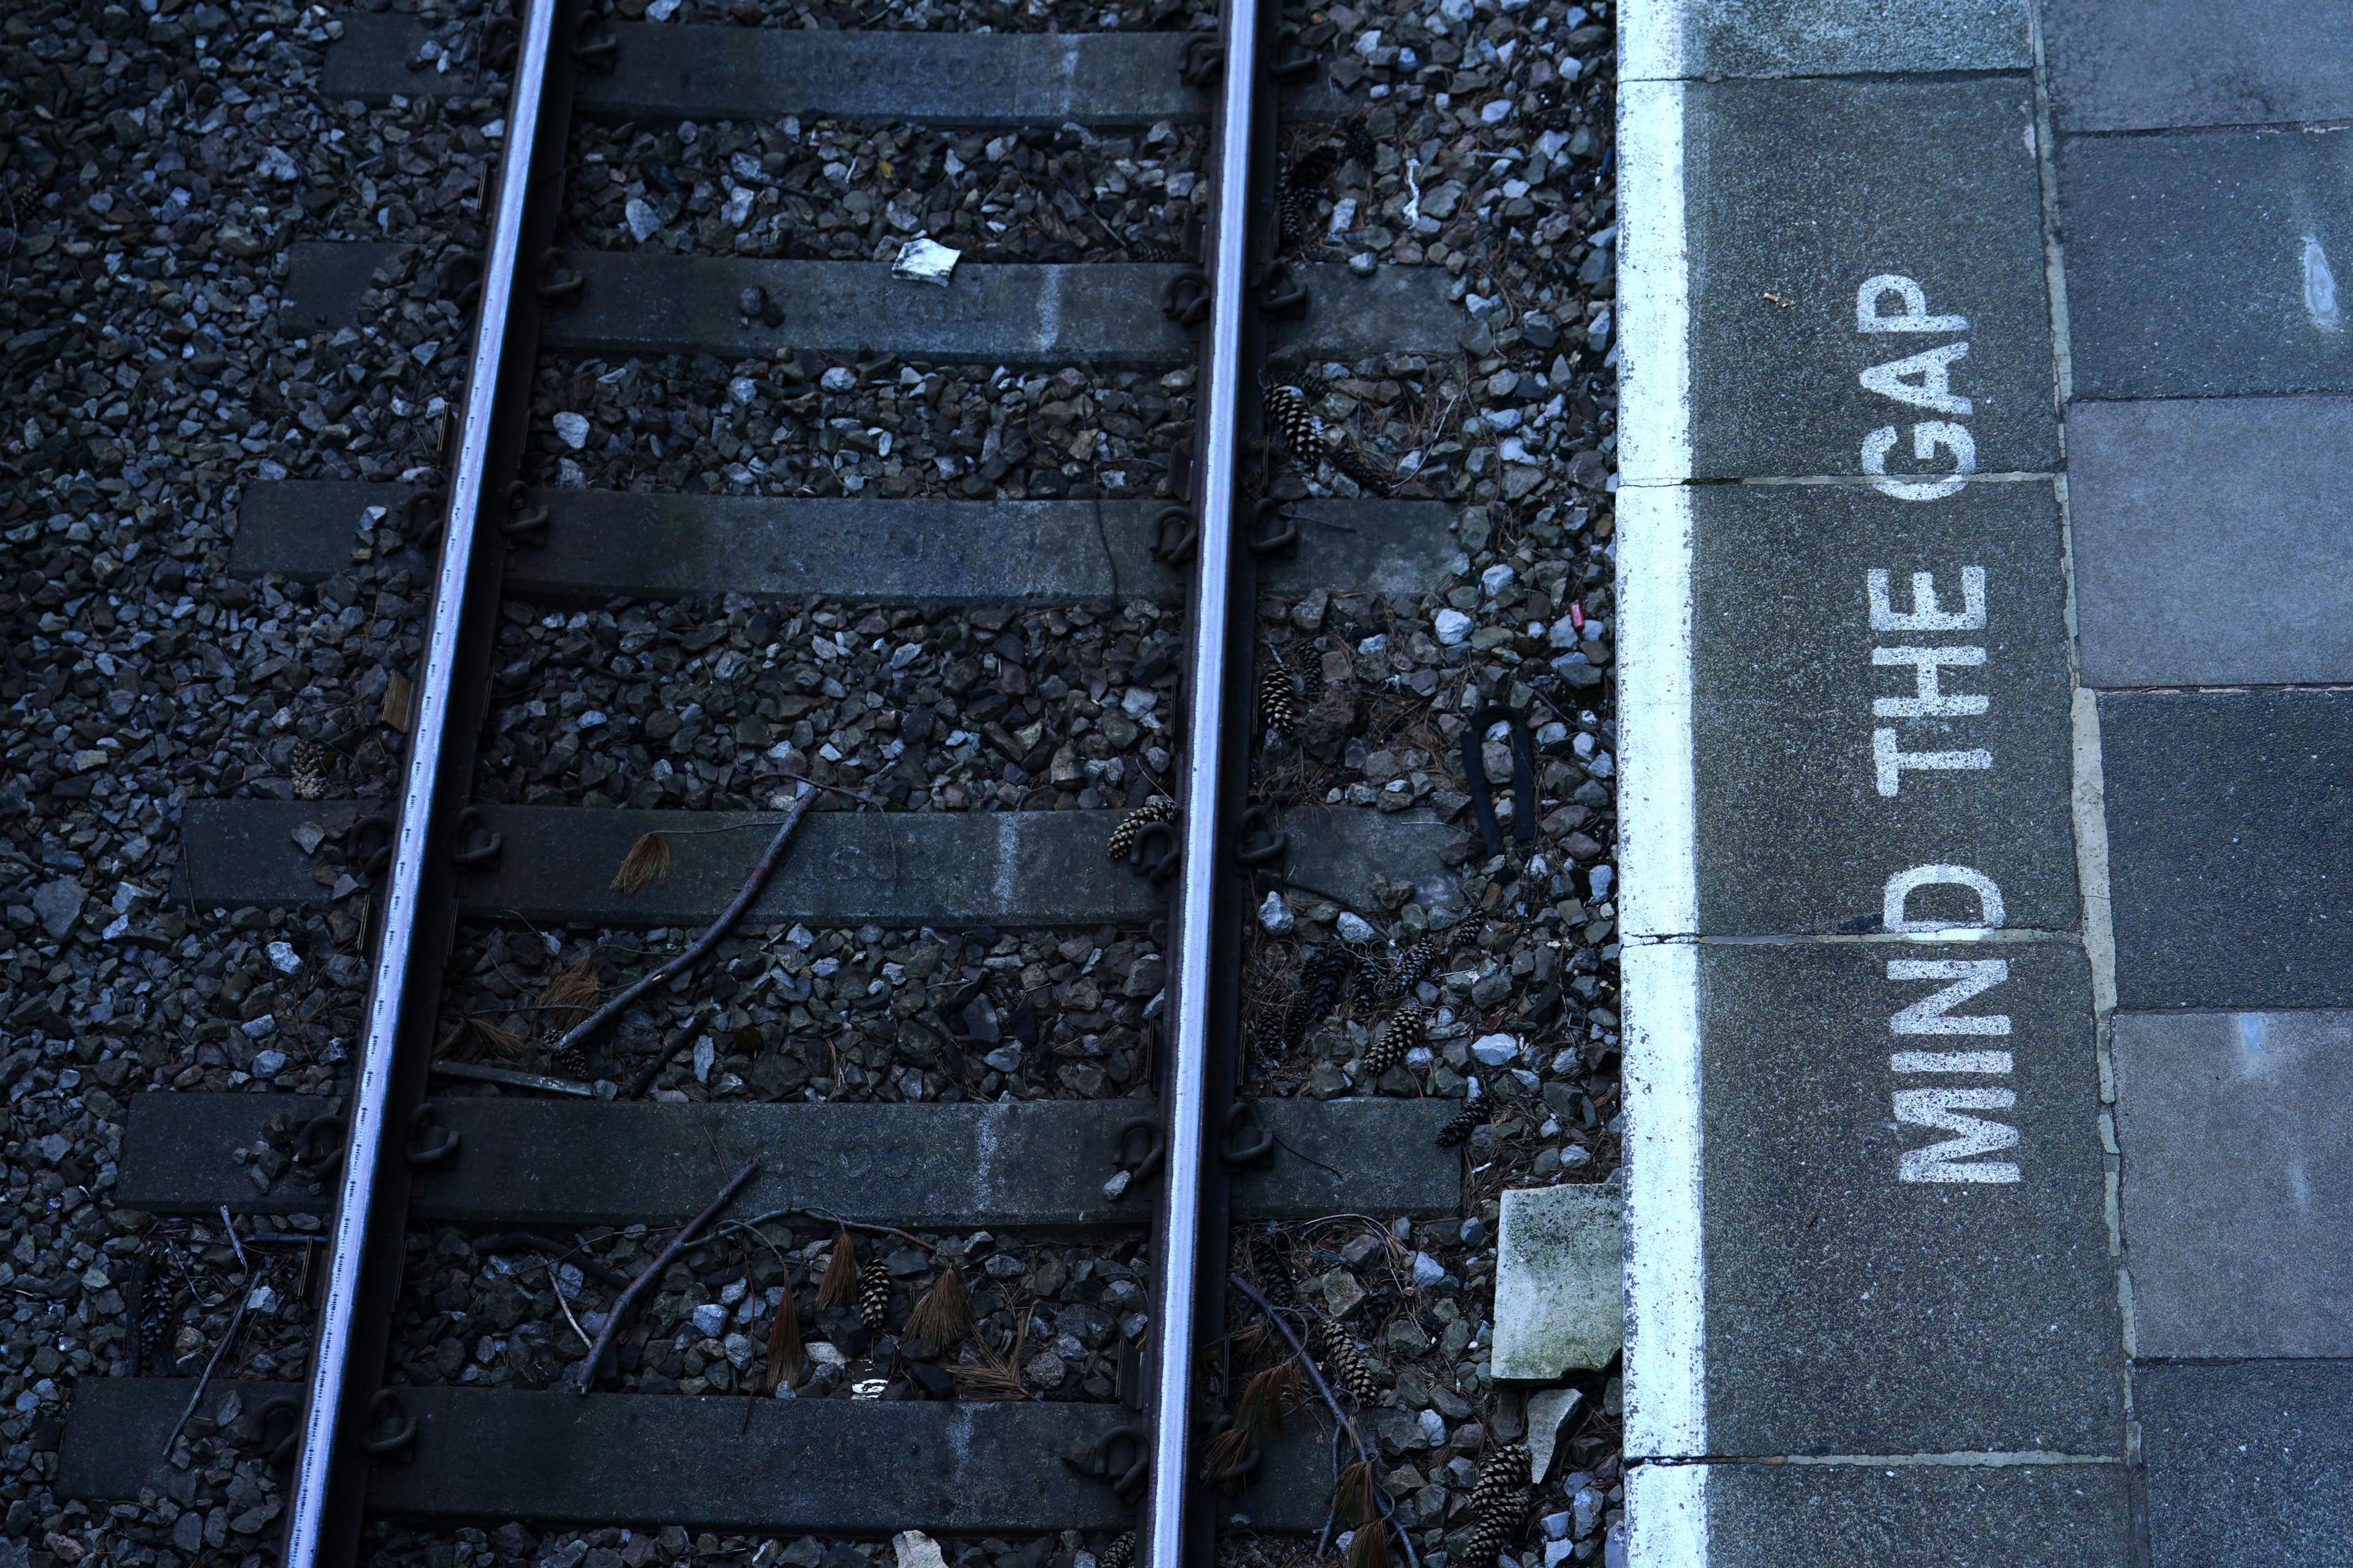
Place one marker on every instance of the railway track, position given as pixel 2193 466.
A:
pixel 1110 1083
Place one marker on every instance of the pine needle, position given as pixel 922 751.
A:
pixel 838 1286
pixel 1369 1547
pixel 1356 1498
pixel 1224 1456
pixel 1260 1414
pixel 944 1317
pixel 785 1360
pixel 647 862
pixel 991 1373
pixel 571 993
pixel 496 1039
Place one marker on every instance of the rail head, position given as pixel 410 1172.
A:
pixel 361 1204
pixel 1163 1540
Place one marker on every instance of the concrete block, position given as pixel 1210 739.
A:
pixel 1559 1301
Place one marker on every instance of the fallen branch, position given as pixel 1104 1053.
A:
pixel 1314 1372
pixel 653 1271
pixel 581 1033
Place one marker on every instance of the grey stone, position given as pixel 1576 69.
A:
pixel 2146 65
pixel 2196 263
pixel 2246 1463
pixel 1547 1410
pixel 1849 1311
pixel 58 904
pixel 1342 1293
pixel 1912 1516
pixel 2222 513
pixel 1782 654
pixel 1800 192
pixel 2230 847
pixel 2242 1255
pixel 1558 1304
pixel 1829 37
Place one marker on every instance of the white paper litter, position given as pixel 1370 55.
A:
pixel 926 261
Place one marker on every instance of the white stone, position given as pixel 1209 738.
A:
pixel 840 378
pixel 1547 1410
pixel 1495 1050
pixel 268 1064
pixel 572 428
pixel 1354 928
pixel 926 261
pixel 644 222
pixel 1496 578
pixel 1274 915
pixel 710 1320
pixel 283 958
pixel 1451 625
pixel 1496 110
pixel 1558 1298
pixel 1426 1270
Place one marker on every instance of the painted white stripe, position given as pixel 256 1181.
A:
pixel 1649 40
pixel 1657 806
pixel 1666 1516
pixel 1666 1411
pixel 1653 277
pixel 1666 1348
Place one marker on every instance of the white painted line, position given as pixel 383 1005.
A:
pixel 1666 1390
pixel 1666 1516
pixel 1649 40
pixel 1657 804
pixel 1666 1296
pixel 1653 275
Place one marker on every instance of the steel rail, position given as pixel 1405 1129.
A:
pixel 1163 1539
pixel 359 1205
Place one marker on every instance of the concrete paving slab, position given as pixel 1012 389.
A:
pixel 1803 195
pixel 2237 1177
pixel 2247 1463
pixel 1905 1243
pixel 603 543
pixel 1907 1516
pixel 2146 65
pixel 1558 1301
pixel 1806 717
pixel 2207 264
pixel 2230 818
pixel 2210 541
pixel 1822 38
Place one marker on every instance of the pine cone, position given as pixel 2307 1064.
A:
pixel 1122 837
pixel 1274 1275
pixel 570 1062
pixel 1405 1030
pixel 1286 411
pixel 309 767
pixel 1414 966
pixel 1460 1126
pixel 874 1296
pixel 1276 710
pixel 1484 1544
pixel 1501 1491
pixel 1120 1554
pixel 1347 1363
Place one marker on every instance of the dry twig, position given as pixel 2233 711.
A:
pixel 653 1271
pixel 580 1033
